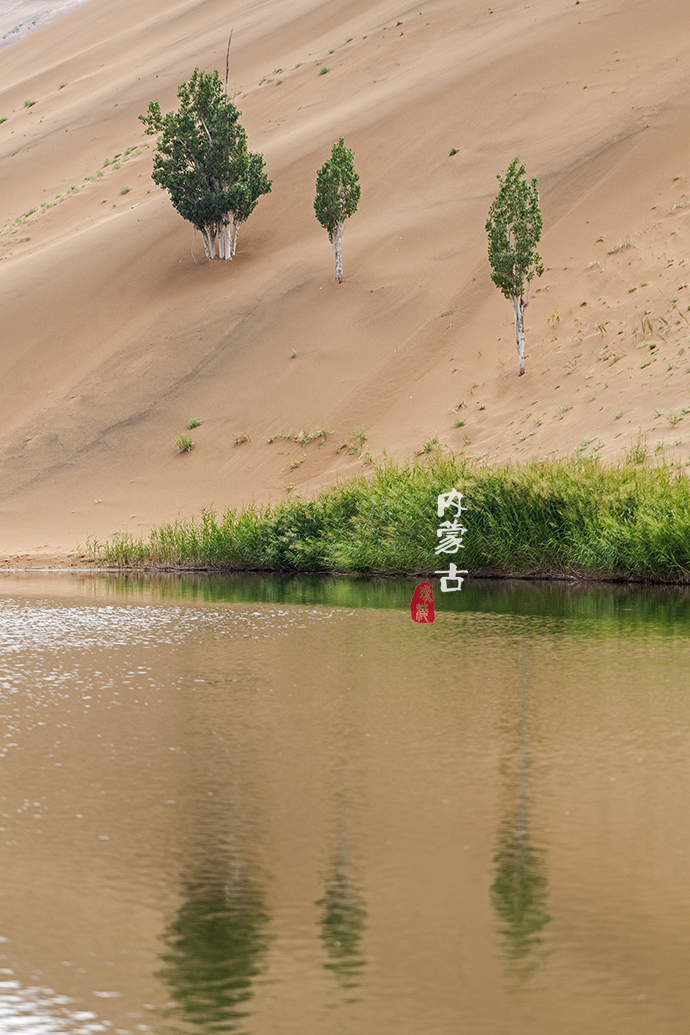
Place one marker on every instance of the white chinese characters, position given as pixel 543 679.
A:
pixel 450 533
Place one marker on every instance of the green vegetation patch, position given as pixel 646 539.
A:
pixel 545 518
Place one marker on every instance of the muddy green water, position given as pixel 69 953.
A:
pixel 253 805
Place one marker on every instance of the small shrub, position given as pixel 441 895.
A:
pixel 3 118
pixel 296 463
pixel 125 190
pixel 459 423
pixel 193 422
pixel 29 104
pixel 62 86
pixel 184 443
pixel 618 414
pixel 453 151
pixel 324 69
pixel 241 437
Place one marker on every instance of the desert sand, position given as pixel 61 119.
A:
pixel 113 336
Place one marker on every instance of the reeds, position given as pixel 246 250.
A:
pixel 572 517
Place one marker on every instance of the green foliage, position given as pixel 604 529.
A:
pixel 202 158
pixel 29 104
pixel 337 189
pixel 184 443
pixel 514 228
pixel 542 518
pixel 193 422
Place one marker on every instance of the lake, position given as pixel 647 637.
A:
pixel 270 805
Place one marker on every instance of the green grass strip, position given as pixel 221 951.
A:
pixel 549 518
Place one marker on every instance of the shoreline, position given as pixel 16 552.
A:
pixel 58 567
pixel 21 18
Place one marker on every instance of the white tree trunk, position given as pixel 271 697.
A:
pixel 206 238
pixel 221 242
pixel 238 224
pixel 337 242
pixel 519 304
pixel 208 235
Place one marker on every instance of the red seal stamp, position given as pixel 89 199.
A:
pixel 422 604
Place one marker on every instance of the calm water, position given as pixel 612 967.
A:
pixel 283 807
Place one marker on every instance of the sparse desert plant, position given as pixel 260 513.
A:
pixel 621 246
pixel 618 414
pixel 637 454
pixel 453 151
pixel 203 161
pixel 355 443
pixel 324 69
pixel 193 422
pixel 241 437
pixel 337 195
pixel 297 461
pixel 29 104
pixel 293 354
pixel 125 190
pixel 429 446
pixel 184 442
pixel 3 118
pixel 459 423
pixel 514 229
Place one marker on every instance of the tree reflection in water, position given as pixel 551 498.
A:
pixel 343 919
pixel 214 949
pixel 519 894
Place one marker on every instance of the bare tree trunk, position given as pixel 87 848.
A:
pixel 519 304
pixel 221 242
pixel 207 238
pixel 337 242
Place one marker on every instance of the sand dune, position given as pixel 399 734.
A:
pixel 113 337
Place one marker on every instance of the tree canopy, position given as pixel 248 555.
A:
pixel 203 161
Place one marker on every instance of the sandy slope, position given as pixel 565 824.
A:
pixel 112 337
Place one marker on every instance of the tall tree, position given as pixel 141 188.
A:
pixel 514 227
pixel 203 161
pixel 337 196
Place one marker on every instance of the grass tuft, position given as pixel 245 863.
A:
pixel 184 443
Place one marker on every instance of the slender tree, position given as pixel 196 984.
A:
pixel 203 161
pixel 337 196
pixel 514 227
